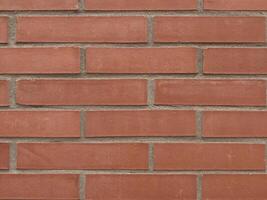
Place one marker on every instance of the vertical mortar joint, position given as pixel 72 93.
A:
pixel 151 158
pixel 82 185
pixel 12 30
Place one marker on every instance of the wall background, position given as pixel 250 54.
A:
pixel 119 99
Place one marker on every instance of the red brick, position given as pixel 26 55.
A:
pixel 39 60
pixel 209 156
pixel 211 92
pixel 82 92
pixel 39 124
pixel 149 187
pixel 82 156
pixel 235 124
pixel 123 29
pixel 39 186
pixel 3 29
pixel 4 156
pixel 232 187
pixel 235 61
pixel 39 5
pixel 141 60
pixel 235 5
pixel 210 29
pixel 140 5
pixel 4 94
pixel 140 123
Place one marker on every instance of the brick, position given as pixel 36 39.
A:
pixel 140 5
pixel 39 60
pixel 39 5
pixel 234 124
pixel 39 186
pixel 238 186
pixel 140 123
pixel 4 156
pixel 141 60
pixel 39 124
pixel 235 5
pixel 209 156
pixel 4 94
pixel 82 92
pixel 209 29
pixel 210 92
pixel 3 29
pixel 149 187
pixel 82 156
pixel 123 29
pixel 235 61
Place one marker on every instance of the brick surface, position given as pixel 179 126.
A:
pixel 82 29
pixel 234 186
pixel 82 156
pixel 4 93
pixel 4 156
pixel 3 29
pixel 82 92
pixel 209 29
pixel 141 60
pixel 133 99
pixel 39 60
pixel 210 92
pixel 39 5
pixel 209 156
pixel 235 61
pixel 140 123
pixel 140 5
pixel 39 124
pixel 234 124
pixel 39 186
pixel 235 5
pixel 150 187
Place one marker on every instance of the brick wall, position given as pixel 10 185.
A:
pixel 133 99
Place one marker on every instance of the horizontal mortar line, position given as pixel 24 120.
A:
pixel 147 107
pixel 175 172
pixel 118 76
pixel 143 139
pixel 134 13
pixel 133 45
pixel 136 45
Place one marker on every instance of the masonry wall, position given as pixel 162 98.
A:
pixel 133 100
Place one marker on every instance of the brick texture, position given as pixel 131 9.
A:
pixel 234 186
pixel 209 156
pixel 82 29
pixel 4 93
pixel 140 5
pixel 39 186
pixel 3 29
pixel 133 99
pixel 39 5
pixel 211 92
pixel 235 5
pixel 234 124
pixel 4 156
pixel 82 92
pixel 82 156
pixel 150 187
pixel 210 29
pixel 140 123
pixel 141 60
pixel 235 61
pixel 39 60
pixel 39 124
